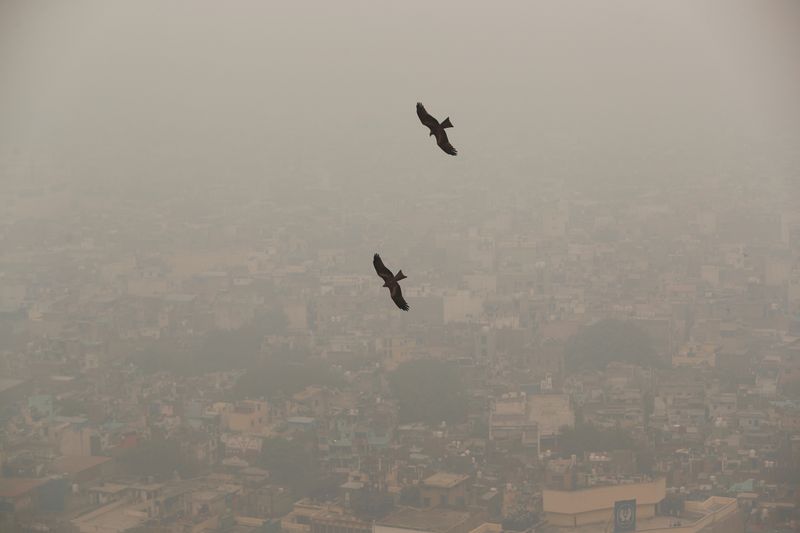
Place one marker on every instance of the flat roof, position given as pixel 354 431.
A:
pixel 572 502
pixel 690 521
pixel 444 480
pixel 8 383
pixel 14 487
pixel 72 464
pixel 116 516
pixel 437 519
pixel 207 495
pixel 301 420
pixel 109 488
pixel 148 486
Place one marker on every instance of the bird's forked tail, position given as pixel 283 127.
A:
pixel 446 123
pixel 400 276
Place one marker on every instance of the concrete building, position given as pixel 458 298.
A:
pixel 695 355
pixel 591 510
pixel 444 490
pixel 510 423
pixel 550 413
pixel 573 508
pixel 309 517
pixel 19 494
pixel 435 520
pixel 83 468
pixel 248 416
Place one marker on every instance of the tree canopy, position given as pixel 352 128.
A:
pixel 410 496
pixel 157 457
pixel 520 521
pixel 216 351
pixel 588 438
pixel 791 389
pixel 293 464
pixel 593 347
pixel 275 376
pixel 283 372
pixel 371 505
pixel 428 390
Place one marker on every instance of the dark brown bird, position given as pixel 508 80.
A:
pixel 391 281
pixel 437 129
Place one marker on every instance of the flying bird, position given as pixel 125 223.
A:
pixel 437 129
pixel 391 281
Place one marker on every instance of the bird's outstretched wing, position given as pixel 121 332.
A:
pixel 425 118
pixel 397 297
pixel 444 144
pixel 381 269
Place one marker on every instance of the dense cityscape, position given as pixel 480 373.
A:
pixel 234 364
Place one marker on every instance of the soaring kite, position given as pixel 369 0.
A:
pixel 391 281
pixel 437 129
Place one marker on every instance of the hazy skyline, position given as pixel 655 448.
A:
pixel 207 208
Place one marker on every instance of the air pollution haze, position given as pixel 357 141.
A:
pixel 395 267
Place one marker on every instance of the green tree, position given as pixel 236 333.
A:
pixel 410 496
pixel 292 463
pixel 216 351
pixel 157 457
pixel 520 521
pixel 429 390
pixel 593 347
pixel 72 407
pixel 371 505
pixel 588 438
pixel 276 376
pixel 791 389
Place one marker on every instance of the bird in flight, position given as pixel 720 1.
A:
pixel 391 281
pixel 437 129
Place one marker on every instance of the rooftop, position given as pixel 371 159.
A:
pixel 109 488
pixel 72 464
pixel 572 502
pixel 8 383
pixel 694 519
pixel 437 520
pixel 444 480
pixel 117 516
pixel 301 420
pixel 14 487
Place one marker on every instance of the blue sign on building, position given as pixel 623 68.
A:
pixel 624 516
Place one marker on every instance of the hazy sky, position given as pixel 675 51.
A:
pixel 202 89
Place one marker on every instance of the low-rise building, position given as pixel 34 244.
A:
pixel 444 490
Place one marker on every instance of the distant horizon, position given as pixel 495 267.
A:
pixel 605 91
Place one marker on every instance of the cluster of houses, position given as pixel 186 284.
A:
pixel 129 401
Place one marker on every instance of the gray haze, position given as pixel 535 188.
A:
pixel 155 91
